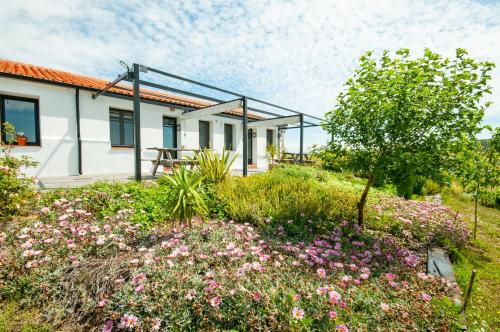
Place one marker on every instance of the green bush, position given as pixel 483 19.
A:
pixel 212 167
pixel 490 198
pixel 286 194
pixel 431 187
pixel 16 189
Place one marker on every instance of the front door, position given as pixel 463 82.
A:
pixel 170 133
pixel 250 146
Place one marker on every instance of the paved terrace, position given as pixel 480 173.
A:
pixel 82 180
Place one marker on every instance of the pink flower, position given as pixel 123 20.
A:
pixel 342 328
pixel 334 297
pixel 191 294
pixel 155 325
pixel 332 314
pixel 296 297
pixel 215 301
pixel 139 288
pixel 297 313
pixel 45 210
pixel 139 279
pixel 256 296
pixel 128 321
pixel 102 303
pixel 426 297
pixel 321 290
pixel 393 283
pixel 385 307
pixel 390 276
pixel 321 273
pixel 108 326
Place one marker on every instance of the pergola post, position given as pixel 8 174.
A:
pixel 301 138
pixel 137 123
pixel 245 136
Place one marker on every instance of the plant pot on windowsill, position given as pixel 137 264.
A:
pixel 21 139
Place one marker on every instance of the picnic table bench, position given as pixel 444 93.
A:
pixel 165 157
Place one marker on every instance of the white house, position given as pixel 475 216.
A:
pixel 48 106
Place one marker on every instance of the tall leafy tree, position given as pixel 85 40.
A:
pixel 478 167
pixel 401 116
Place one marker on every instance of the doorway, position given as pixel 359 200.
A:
pixel 170 133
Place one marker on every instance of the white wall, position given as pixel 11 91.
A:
pixel 58 154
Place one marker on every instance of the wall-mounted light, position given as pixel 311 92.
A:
pixel 178 127
pixel 172 109
pixel 254 134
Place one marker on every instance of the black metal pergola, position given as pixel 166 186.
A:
pixel 282 121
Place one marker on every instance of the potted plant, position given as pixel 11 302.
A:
pixel 271 155
pixel 21 139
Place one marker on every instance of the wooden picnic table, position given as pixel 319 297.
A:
pixel 164 158
pixel 294 158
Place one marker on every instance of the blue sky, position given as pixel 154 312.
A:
pixel 293 53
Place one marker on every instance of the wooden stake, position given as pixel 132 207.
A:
pixel 469 290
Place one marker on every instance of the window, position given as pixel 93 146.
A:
pixel 22 113
pixel 121 128
pixel 228 137
pixel 204 133
pixel 270 136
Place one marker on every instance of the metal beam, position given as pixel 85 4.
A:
pixel 297 127
pixel 110 85
pixel 245 137
pixel 199 96
pixel 137 123
pixel 302 138
pixel 226 91
pixel 214 109
pixel 275 121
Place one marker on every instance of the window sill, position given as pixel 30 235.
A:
pixel 27 146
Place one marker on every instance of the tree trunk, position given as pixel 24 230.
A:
pixel 475 210
pixel 362 201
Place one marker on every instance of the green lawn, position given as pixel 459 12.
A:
pixel 484 256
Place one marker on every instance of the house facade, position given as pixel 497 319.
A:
pixel 70 133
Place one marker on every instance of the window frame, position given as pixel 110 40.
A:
pixel 199 134
pixel 122 128
pixel 38 140
pixel 232 146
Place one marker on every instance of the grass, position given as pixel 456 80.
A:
pixel 484 256
pixel 14 319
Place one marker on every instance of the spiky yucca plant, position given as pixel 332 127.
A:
pixel 186 201
pixel 214 167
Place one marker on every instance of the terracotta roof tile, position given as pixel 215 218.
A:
pixel 14 68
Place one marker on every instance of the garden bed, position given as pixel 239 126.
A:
pixel 107 258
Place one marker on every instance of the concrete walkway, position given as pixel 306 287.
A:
pixel 83 180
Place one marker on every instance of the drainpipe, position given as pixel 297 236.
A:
pixel 78 137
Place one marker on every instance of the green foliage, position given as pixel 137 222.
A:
pixel 332 159
pixel 490 198
pixel 16 189
pixel 271 153
pixel 402 117
pixel 478 167
pixel 212 167
pixel 147 201
pixel 186 200
pixel 431 187
pixel 287 193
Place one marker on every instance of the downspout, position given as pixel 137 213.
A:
pixel 78 136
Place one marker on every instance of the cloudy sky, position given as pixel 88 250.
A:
pixel 294 53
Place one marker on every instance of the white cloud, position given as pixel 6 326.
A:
pixel 296 53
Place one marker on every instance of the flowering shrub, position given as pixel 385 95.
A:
pixel 16 189
pixel 420 221
pixel 108 273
